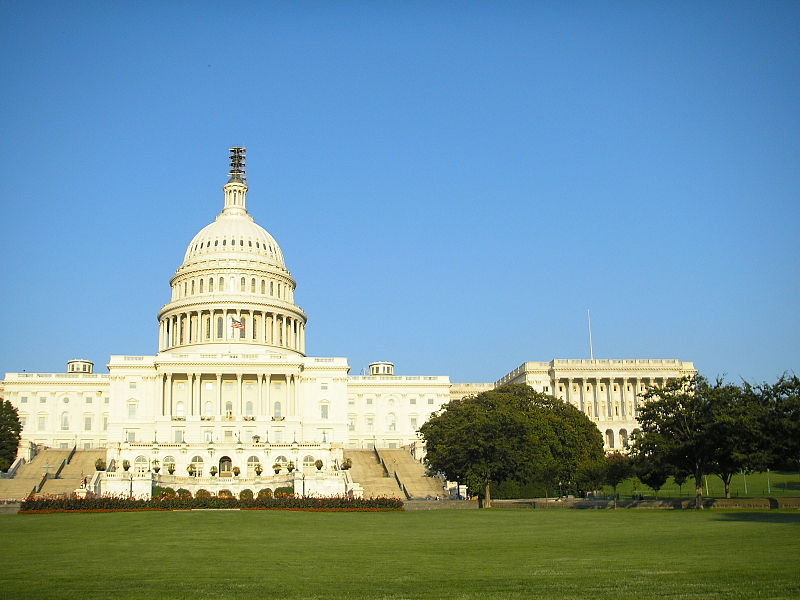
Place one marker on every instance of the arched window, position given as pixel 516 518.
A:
pixel 201 285
pixel 207 326
pixel 263 286
pixel 180 410
pixel 229 410
pixel 242 285
pixel 208 408
pixel 271 288
pixel 252 463
pixel 197 464
pixel 282 461
pixel 253 286
pixel 220 328
pixel 221 284
pixel 140 465
pixel 391 422
pixel 609 438
pixel 64 422
pixel 210 284
pixel 169 463
pixel 243 327
pixel 308 462
pixel 623 438
pixel 192 286
pixel 248 409
pixel 277 410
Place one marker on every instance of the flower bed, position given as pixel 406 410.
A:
pixel 109 504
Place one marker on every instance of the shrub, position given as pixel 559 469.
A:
pixel 318 463
pixel 126 464
pixel 265 494
pixel 5 464
pixel 224 494
pixel 201 493
pixel 184 493
pixel 163 492
pixel 100 465
pixel 246 495
pixel 284 491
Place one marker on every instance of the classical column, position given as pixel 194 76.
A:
pixel 219 394
pixel 581 399
pixel 260 410
pixel 171 386
pixel 610 399
pixel 239 385
pixel 191 394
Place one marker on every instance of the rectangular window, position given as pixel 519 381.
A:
pixel 414 423
pixel 430 400
pixel 105 422
pixel 351 424
pixel 370 423
pixel 228 435
pixel 369 400
pixel 87 423
pixel 130 437
pixel 42 423
pixel 209 385
pixel 324 386
pixel 279 436
pixel 22 420
pixel 546 388
pixel 88 399
pixel 179 436
pixel 131 411
pixel 42 399
pixel 131 385
pixel 24 399
pixel 106 400
pixel 323 411
pixel 413 401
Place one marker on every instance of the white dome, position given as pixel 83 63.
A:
pixel 234 236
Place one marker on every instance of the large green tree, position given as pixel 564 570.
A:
pixel 781 421
pixel 674 429
pixel 697 428
pixel 10 429
pixel 512 433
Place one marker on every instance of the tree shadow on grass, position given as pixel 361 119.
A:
pixel 760 517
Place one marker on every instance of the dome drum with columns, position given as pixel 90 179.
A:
pixel 233 286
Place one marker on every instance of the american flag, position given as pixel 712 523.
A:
pixel 237 324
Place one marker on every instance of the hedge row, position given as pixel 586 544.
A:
pixel 106 503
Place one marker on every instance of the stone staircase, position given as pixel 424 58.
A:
pixel 81 465
pixel 369 472
pixel 30 474
pixel 412 474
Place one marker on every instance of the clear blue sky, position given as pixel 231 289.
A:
pixel 453 184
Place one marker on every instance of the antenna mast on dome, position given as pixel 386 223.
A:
pixel 237 163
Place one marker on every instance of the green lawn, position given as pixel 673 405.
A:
pixel 512 554
pixel 777 484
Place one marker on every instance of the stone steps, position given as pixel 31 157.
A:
pixel 413 474
pixel 367 471
pixel 29 474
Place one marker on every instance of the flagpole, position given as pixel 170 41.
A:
pixel 591 347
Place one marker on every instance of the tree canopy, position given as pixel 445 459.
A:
pixel 10 429
pixel 513 432
pixel 693 427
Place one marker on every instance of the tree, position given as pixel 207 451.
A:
pixel 10 429
pixel 781 421
pixel 618 469
pixel 651 472
pixel 696 427
pixel 735 432
pixel 512 433
pixel 674 423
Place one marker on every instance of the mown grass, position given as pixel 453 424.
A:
pixel 514 554
pixel 775 484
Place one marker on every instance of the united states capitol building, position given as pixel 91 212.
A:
pixel 231 392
